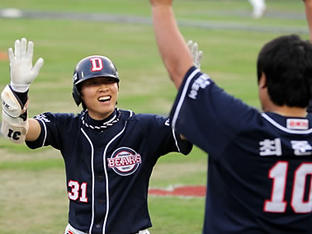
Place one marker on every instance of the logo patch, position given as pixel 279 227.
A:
pixel 96 64
pixel 124 161
pixel 75 76
pixel 42 117
pixel 301 124
pixel 200 83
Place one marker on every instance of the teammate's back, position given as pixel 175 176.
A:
pixel 261 181
pixel 260 164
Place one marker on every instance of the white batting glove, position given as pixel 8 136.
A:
pixel 21 69
pixel 197 54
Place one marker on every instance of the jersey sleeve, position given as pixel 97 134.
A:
pixel 54 126
pixel 160 137
pixel 206 115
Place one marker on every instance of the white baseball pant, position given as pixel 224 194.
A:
pixel 71 230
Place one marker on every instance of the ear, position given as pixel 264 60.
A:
pixel 262 81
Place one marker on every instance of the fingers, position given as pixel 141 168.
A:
pixel 38 66
pixel 193 47
pixel 30 50
pixel 17 49
pixel 23 45
pixel 22 50
pixel 11 54
pixel 199 56
pixel 189 44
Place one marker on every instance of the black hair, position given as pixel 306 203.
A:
pixel 287 63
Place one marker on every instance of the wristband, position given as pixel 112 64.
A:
pixel 21 88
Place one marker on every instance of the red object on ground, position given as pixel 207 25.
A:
pixel 184 191
pixel 4 55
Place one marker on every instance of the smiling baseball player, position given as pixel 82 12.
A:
pixel 109 153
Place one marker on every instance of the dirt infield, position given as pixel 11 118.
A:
pixel 180 191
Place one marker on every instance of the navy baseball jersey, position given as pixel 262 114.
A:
pixel 108 165
pixel 259 166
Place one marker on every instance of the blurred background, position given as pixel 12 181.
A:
pixel 33 196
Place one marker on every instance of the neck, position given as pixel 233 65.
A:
pixel 100 116
pixel 289 111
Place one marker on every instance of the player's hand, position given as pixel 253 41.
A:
pixel 21 70
pixel 197 54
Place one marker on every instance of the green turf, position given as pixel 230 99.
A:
pixel 32 197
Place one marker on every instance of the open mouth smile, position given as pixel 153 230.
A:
pixel 104 98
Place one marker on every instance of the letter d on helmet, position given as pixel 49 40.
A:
pixel 92 67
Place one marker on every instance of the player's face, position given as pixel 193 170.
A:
pixel 100 96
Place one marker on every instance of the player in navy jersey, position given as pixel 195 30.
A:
pixel 109 153
pixel 260 163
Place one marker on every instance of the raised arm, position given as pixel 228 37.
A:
pixel 308 10
pixel 171 44
pixel 14 98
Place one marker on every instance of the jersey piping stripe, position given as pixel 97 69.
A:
pixel 178 108
pixel 45 131
pixel 92 169
pixel 175 140
pixel 106 178
pixel 106 175
pixel 277 125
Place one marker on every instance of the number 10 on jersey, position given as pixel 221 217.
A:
pixel 299 204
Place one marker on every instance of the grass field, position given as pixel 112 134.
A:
pixel 33 195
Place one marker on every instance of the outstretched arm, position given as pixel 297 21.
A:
pixel 308 10
pixel 171 44
pixel 15 124
pixel 34 130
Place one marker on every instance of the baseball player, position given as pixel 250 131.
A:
pixel 260 163
pixel 109 153
pixel 259 8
